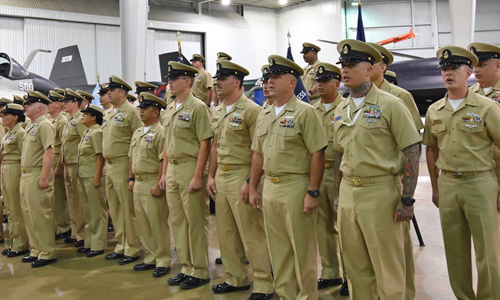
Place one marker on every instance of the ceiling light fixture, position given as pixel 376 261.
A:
pixel 226 2
pixel 355 3
pixel 283 2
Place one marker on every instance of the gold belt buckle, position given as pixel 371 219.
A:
pixel 275 179
pixel 23 170
pixel 357 181
pixel 173 161
pixel 457 174
pixel 139 178
pixel 224 168
pixel 327 165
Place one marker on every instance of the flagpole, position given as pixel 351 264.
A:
pixel 179 47
pixel 289 36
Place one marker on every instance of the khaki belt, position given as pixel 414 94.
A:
pixel 32 169
pixel 360 181
pixel 328 165
pixel 462 174
pixel 285 178
pixel 175 161
pixel 11 162
pixel 232 167
pixel 146 177
pixel 117 160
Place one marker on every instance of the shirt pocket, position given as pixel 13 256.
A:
pixel 285 138
pixel 32 138
pixel 182 128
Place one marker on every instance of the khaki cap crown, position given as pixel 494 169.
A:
pixel 55 96
pixel 456 56
pixel 327 71
pixel 85 95
pixel 37 97
pixel 282 65
pixel 226 68
pixel 152 100
pixel 198 57
pixel 484 51
pixel 117 82
pixel 353 50
pixel 310 47
pixel 223 56
pixel 141 86
pixel 387 56
pixel 176 69
pixel 71 95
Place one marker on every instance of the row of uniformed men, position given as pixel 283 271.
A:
pixel 281 129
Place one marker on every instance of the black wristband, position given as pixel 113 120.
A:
pixel 130 179
pixel 248 180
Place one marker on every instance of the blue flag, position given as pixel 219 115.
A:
pixel 300 91
pixel 360 36
pixel 95 93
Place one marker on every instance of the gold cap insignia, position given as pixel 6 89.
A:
pixel 345 50
pixel 218 66
pixel 169 68
pixel 446 54
pixel 321 69
pixel 271 61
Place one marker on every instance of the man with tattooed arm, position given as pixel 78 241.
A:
pixel 371 129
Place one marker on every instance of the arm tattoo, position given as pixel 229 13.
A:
pixel 410 169
pixel 361 90
pixel 337 173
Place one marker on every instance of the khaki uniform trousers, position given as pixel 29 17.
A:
pixel 60 205
pixel 152 217
pixel 328 236
pixel 240 228
pixel 121 207
pixel 468 206
pixel 74 206
pixel 36 205
pixel 292 237
pixel 372 242
pixel 95 214
pixel 188 218
pixel 410 263
pixel 497 173
pixel 11 176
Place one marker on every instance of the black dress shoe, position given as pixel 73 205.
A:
pixel 6 251
pixel 69 240
pixel 224 288
pixel 344 290
pixel 17 253
pixel 79 243
pixel 111 228
pixel 326 283
pixel 128 259
pixel 83 250
pixel 218 261
pixel 28 259
pixel 94 253
pixel 193 282
pixel 161 271
pixel 42 262
pixel 177 280
pixel 144 267
pixel 113 256
pixel 260 296
pixel 63 235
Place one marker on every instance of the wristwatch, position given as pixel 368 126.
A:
pixel 407 201
pixel 248 180
pixel 310 92
pixel 130 179
pixel 313 193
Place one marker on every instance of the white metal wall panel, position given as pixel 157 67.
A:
pixel 12 37
pixel 54 35
pixel 108 51
pixel 152 62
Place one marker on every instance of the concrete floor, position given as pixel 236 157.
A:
pixel 78 277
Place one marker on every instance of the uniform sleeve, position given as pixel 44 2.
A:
pixel 402 127
pixel 412 107
pixel 46 132
pixel 159 143
pixel 208 81
pixel 253 114
pixel 492 123
pixel 96 141
pixel 135 119
pixel 429 138
pixel 60 128
pixel 203 123
pixel 312 131
pixel 259 134
pixel 133 143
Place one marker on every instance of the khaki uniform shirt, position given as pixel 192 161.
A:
pixel 88 149
pixel 118 131
pixel 202 83
pixel 72 134
pixel 327 118
pixel 107 114
pixel 264 105
pixel 308 77
pixel 288 140
pixel 186 127
pixel 372 146
pixel 407 99
pixel 58 122
pixel 146 150
pixel 12 144
pixel 494 94
pixel 234 131
pixel 464 136
pixel 38 137
pixel 26 123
